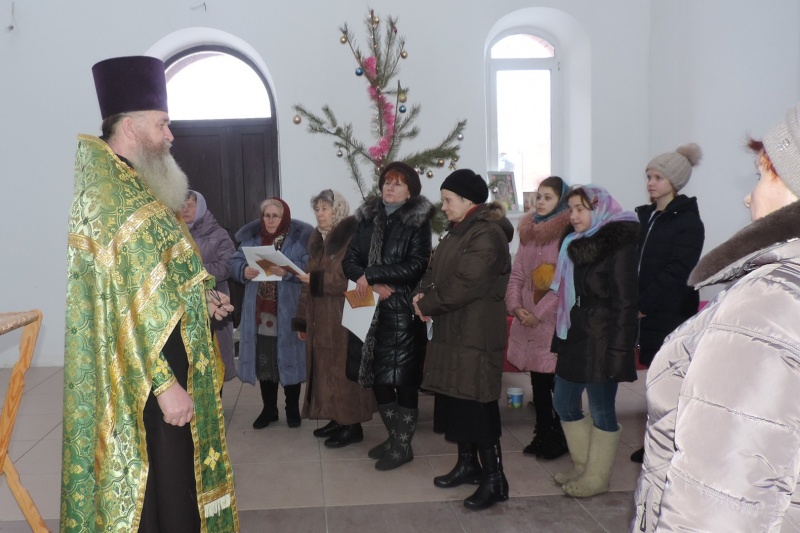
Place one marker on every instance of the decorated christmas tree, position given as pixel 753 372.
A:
pixel 393 120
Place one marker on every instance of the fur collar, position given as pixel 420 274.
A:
pixel 414 213
pixel 544 232
pixel 337 239
pixel 488 212
pixel 604 243
pixel 760 242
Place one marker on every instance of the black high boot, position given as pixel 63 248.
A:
pixel 292 393
pixel 494 485
pixel 269 395
pixel 388 413
pixel 467 469
pixel 400 452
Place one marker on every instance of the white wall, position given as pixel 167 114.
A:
pixel 720 70
pixel 47 97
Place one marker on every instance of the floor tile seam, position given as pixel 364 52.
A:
pixel 27 390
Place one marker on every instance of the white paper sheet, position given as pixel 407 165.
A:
pixel 359 319
pixel 256 253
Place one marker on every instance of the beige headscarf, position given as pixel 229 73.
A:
pixel 341 208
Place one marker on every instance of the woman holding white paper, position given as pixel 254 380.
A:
pixel 389 252
pixel 268 348
pixel 329 394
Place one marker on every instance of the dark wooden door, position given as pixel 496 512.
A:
pixel 234 164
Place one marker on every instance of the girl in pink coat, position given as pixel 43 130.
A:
pixel 533 305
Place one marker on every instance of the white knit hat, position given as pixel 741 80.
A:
pixel 782 145
pixel 677 166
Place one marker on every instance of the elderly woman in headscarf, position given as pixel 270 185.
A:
pixel 597 288
pixel 329 394
pixel 722 448
pixel 463 293
pixel 389 253
pixel 216 249
pixel 269 350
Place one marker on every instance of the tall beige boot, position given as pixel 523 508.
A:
pixel 595 478
pixel 577 434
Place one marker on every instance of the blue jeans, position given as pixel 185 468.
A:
pixel 602 397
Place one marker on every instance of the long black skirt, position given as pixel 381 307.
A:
pixel 466 421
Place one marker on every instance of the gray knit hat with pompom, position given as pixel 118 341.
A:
pixel 677 166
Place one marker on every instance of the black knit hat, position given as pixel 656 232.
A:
pixel 126 84
pixel 412 178
pixel 467 184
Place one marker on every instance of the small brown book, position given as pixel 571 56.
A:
pixel 267 264
pixel 356 301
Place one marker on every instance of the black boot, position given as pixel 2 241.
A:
pixel 269 395
pixel 494 485
pixel 346 435
pixel 638 455
pixel 554 443
pixel 292 393
pixel 536 444
pixel 400 451
pixel 388 413
pixel 467 469
pixel 328 429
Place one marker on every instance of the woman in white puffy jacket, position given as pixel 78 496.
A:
pixel 722 449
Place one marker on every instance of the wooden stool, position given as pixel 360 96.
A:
pixel 32 321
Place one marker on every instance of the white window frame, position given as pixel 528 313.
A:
pixel 553 64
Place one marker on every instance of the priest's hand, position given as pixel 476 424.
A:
pixel 177 405
pixel 219 304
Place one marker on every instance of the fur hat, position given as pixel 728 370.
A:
pixel 467 184
pixel 126 84
pixel 412 178
pixel 677 166
pixel 782 145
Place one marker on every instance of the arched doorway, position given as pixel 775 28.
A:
pixel 226 137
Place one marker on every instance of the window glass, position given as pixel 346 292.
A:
pixel 524 126
pixel 522 46
pixel 215 85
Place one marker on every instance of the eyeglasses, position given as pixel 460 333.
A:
pixel 269 216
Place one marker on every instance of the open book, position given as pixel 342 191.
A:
pixel 262 258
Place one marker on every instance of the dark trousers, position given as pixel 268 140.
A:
pixel 543 387
pixel 170 498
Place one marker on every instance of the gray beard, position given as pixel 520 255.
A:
pixel 161 173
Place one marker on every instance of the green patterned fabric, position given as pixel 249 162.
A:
pixel 134 274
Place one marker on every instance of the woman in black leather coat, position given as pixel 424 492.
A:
pixel 390 252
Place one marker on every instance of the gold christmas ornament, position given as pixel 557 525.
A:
pixel 440 163
pixel 404 54
pixel 297 119
pixel 343 39
pixel 402 97
pixel 418 170
pixel 339 153
pixel 429 173
pixel 376 20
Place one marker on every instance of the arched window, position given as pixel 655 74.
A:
pixel 226 139
pixel 208 84
pixel 523 117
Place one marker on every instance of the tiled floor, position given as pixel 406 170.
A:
pixel 286 480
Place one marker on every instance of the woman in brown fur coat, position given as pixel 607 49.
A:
pixel 329 394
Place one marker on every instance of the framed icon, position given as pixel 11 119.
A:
pixel 502 189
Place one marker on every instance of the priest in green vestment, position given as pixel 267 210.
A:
pixel 144 437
